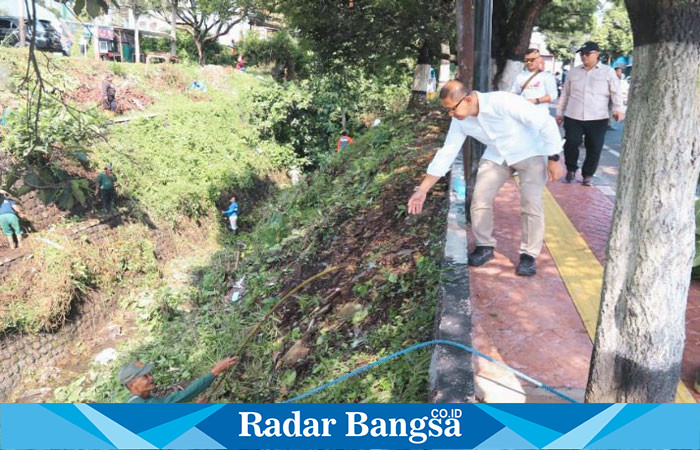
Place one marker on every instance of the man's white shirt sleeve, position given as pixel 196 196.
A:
pixel 539 121
pixel 515 89
pixel 618 103
pixel 443 159
pixel 550 86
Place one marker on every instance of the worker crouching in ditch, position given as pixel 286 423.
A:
pixel 137 378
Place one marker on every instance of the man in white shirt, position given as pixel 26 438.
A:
pixel 534 85
pixel 624 90
pixel 518 136
pixel 584 110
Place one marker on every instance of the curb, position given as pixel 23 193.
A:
pixel 451 371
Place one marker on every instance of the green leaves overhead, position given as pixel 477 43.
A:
pixel 566 25
pixel 94 8
pixel 614 34
pixel 373 33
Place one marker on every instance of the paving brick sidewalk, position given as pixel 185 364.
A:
pixel 591 213
pixel 531 323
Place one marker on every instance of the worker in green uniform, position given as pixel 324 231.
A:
pixel 104 186
pixel 137 378
pixel 9 219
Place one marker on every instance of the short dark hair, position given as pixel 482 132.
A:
pixel 455 90
pixel 531 50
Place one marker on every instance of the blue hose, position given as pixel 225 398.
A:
pixel 419 346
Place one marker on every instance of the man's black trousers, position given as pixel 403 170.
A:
pixel 594 131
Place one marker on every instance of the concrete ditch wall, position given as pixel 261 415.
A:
pixel 451 368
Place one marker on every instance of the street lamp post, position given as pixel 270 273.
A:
pixel 481 76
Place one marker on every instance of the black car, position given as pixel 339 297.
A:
pixel 47 37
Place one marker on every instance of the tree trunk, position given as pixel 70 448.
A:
pixel 173 28
pixel 641 327
pixel 137 40
pixel 21 30
pixel 512 30
pixel 444 75
pixel 121 47
pixel 421 75
pixel 96 38
pixel 200 50
pixel 509 71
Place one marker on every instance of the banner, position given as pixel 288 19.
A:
pixel 349 426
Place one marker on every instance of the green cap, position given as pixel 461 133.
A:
pixel 133 370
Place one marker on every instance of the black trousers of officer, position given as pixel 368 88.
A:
pixel 594 132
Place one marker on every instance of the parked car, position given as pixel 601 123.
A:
pixel 47 37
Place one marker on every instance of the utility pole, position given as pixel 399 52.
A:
pixel 465 41
pixel 473 69
pixel 483 11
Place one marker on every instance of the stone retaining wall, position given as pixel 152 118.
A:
pixel 20 352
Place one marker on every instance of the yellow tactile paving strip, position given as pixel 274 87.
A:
pixel 581 271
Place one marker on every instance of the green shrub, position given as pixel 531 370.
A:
pixel 179 163
pixel 50 151
pixel 214 52
pixel 280 50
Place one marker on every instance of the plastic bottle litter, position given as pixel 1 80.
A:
pixel 238 288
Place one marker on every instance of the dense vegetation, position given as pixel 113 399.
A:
pixel 382 304
pixel 177 162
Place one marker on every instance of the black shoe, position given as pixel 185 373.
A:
pixel 526 267
pixel 480 256
pixel 570 175
pixel 587 181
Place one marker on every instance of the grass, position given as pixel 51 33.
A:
pixel 39 294
pixel 183 164
pixel 385 305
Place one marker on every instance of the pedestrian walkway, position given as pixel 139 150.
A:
pixel 544 325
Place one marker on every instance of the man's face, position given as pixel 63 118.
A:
pixel 618 72
pixel 142 386
pixel 589 59
pixel 458 109
pixel 532 61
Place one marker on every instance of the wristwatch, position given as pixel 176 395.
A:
pixel 554 158
pixel 537 101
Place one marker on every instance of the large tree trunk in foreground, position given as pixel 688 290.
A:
pixel 641 327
